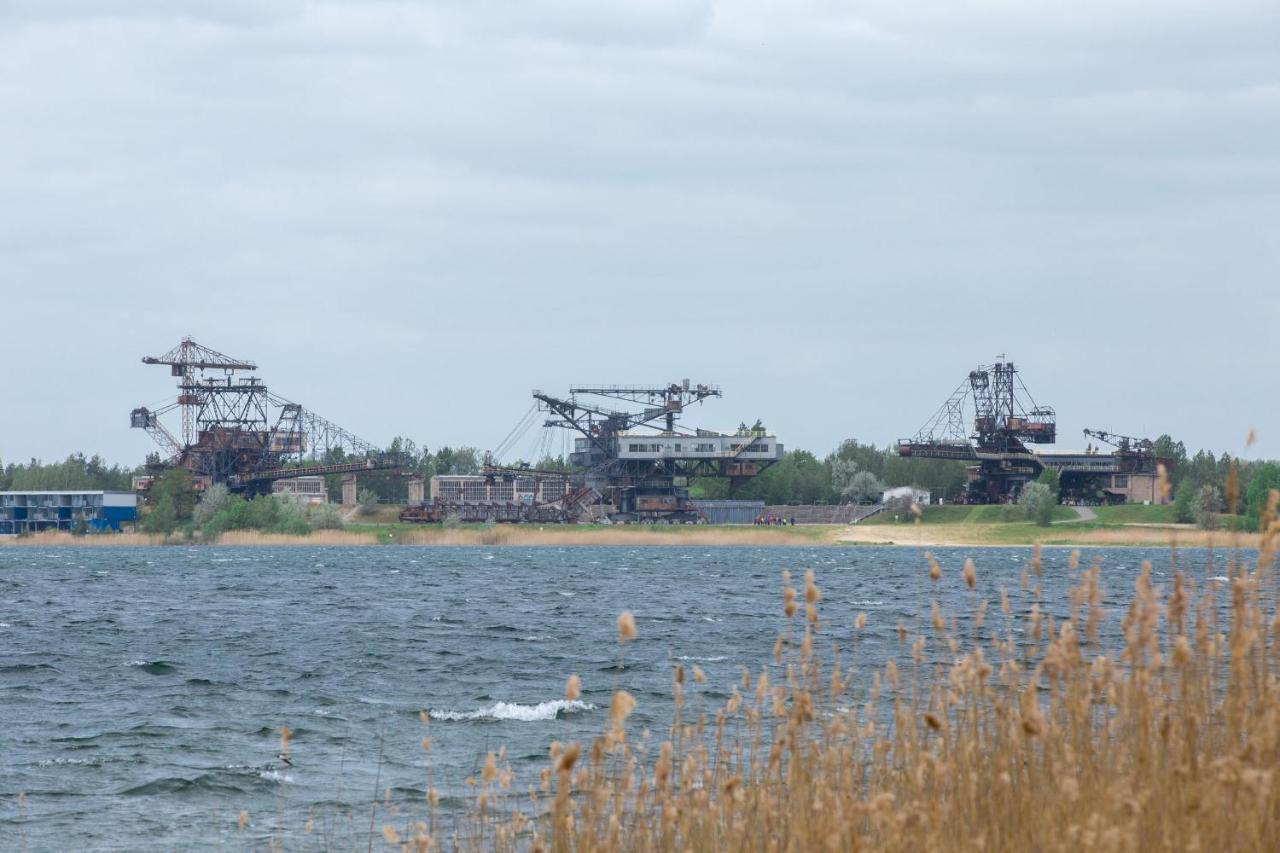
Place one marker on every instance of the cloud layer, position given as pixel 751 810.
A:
pixel 410 214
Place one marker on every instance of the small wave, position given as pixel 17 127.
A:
pixel 201 785
pixel 567 594
pixel 512 711
pixel 715 659
pixel 1221 579
pixel 153 667
pixel 711 619
pixel 69 762
pixel 25 667
pixel 536 638
pixel 275 776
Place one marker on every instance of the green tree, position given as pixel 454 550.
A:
pixel 864 457
pixel 1262 479
pixel 1184 501
pixel 1174 455
pixel 864 487
pixel 214 499
pixel 1206 505
pixel 797 478
pixel 1053 480
pixel 75 472
pixel 1037 503
pixel 368 500
pixel 176 485
pixel 163 517
pixel 842 473
pixel 325 517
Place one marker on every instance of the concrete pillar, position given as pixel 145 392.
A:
pixel 417 490
pixel 349 489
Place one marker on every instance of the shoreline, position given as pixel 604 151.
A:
pixel 822 536
pixel 1009 536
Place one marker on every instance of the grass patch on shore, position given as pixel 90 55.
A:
pixel 953 514
pixel 1136 514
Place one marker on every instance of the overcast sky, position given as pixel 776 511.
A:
pixel 411 214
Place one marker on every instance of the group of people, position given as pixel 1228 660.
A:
pixel 774 521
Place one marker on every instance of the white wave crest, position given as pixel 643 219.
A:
pixel 715 659
pixel 1221 579
pixel 275 776
pixel 513 711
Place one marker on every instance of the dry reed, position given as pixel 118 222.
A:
pixel 1034 736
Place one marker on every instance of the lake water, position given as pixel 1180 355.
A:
pixel 141 689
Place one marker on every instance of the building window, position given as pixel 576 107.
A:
pixel 1120 481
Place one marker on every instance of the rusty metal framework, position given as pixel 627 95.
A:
pixel 1005 416
pixel 235 431
pixel 1006 423
pixel 643 489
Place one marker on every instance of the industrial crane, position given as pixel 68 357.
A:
pixel 644 476
pixel 1007 424
pixel 1123 443
pixel 235 431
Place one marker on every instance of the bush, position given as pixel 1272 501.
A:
pixel 211 503
pixel 176 485
pixel 1037 502
pixel 863 487
pixel 1184 501
pixel 163 518
pixel 325 516
pixel 264 513
pixel 1205 506
pixel 1051 478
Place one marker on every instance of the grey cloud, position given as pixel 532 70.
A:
pixel 830 209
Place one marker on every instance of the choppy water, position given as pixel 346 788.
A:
pixel 141 689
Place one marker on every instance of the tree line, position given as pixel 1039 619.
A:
pixel 77 471
pixel 852 473
pixel 1204 485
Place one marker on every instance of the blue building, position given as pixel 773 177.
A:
pixel 32 512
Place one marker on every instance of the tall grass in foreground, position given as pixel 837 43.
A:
pixel 1035 735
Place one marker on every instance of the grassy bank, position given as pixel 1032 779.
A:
pixel 1114 526
pixel 961 515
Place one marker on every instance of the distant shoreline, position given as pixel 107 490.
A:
pixel 924 535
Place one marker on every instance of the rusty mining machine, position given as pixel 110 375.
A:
pixel 1007 423
pixel 238 433
pixel 636 462
pixel 630 464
